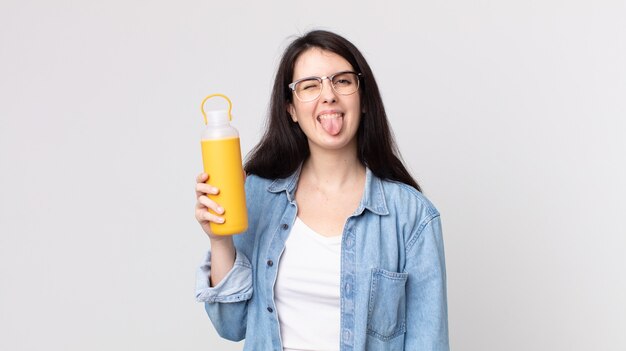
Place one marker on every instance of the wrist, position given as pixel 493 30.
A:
pixel 225 240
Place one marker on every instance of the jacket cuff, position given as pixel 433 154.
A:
pixel 236 285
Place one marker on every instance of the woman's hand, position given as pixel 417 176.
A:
pixel 203 204
pixel 222 247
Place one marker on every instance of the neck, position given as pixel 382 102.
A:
pixel 333 170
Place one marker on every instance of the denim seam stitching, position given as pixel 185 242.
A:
pixel 227 299
pixel 401 330
pixel 420 229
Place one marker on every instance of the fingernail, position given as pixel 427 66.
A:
pixel 221 220
pixel 220 210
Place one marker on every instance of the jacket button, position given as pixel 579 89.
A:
pixel 270 263
pixel 285 226
pixel 270 310
pixel 346 336
pixel 349 242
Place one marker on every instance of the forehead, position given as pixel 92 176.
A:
pixel 319 62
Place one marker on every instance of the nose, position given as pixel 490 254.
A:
pixel 328 93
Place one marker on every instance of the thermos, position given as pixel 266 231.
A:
pixel 221 156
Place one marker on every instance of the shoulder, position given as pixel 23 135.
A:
pixel 412 212
pixel 262 191
pixel 409 209
pixel 256 184
pixel 404 198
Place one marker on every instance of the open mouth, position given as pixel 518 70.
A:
pixel 331 122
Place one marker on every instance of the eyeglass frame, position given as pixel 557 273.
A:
pixel 292 85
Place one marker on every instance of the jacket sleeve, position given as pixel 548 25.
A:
pixel 227 302
pixel 427 310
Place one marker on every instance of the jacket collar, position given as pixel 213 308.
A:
pixel 373 196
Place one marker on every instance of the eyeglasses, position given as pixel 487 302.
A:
pixel 310 88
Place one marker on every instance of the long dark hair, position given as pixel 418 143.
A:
pixel 284 146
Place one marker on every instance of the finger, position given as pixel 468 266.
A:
pixel 202 188
pixel 206 216
pixel 199 206
pixel 202 177
pixel 208 203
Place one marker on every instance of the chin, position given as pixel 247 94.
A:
pixel 337 142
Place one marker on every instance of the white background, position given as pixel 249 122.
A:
pixel 510 114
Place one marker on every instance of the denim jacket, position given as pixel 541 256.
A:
pixel 393 280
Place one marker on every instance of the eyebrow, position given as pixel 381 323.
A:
pixel 315 77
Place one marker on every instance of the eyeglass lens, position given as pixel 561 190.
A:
pixel 344 84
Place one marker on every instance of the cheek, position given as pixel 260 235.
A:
pixel 357 104
pixel 358 108
pixel 304 111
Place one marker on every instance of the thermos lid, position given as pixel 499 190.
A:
pixel 217 117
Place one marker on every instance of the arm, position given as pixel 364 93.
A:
pixel 222 258
pixel 224 281
pixel 226 303
pixel 222 246
pixel 427 310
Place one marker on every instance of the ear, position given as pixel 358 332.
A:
pixel 292 112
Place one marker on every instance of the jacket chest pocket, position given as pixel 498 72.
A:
pixel 386 315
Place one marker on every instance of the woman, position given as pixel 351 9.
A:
pixel 342 252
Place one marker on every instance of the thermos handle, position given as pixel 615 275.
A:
pixel 230 106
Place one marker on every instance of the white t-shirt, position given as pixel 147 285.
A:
pixel 307 290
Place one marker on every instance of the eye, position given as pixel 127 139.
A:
pixel 308 84
pixel 344 80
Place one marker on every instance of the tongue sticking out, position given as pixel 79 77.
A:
pixel 332 126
